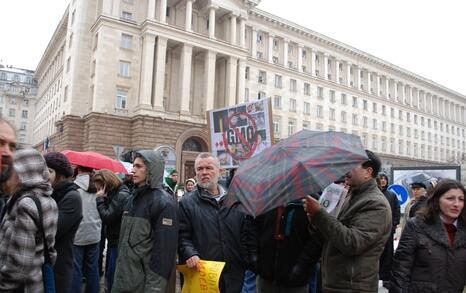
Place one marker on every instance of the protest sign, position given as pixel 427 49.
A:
pixel 332 198
pixel 237 133
pixel 206 280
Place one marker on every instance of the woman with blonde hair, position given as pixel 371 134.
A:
pixel 112 196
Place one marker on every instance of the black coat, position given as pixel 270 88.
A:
pixel 395 206
pixel 417 206
pixel 110 209
pixel 215 232
pixel 285 261
pixel 425 262
pixel 69 217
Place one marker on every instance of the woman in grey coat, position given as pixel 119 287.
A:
pixel 431 255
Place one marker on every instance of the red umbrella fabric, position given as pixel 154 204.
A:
pixel 304 163
pixel 94 160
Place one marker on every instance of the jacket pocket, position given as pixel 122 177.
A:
pixel 139 234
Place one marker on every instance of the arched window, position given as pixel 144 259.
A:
pixel 193 144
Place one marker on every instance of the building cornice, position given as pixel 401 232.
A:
pixel 353 52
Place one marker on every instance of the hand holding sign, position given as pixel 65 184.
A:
pixel 204 280
pixel 332 198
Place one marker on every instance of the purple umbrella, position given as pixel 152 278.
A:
pixel 304 163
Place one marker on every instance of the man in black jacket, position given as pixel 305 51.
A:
pixel 387 255
pixel 284 243
pixel 208 229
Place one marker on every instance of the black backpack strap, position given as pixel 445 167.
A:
pixel 40 225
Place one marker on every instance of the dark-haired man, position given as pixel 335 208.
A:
pixel 352 243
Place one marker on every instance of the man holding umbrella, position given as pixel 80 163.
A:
pixel 352 243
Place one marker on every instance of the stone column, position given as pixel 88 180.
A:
pixel 233 29
pixel 300 58
pixel 209 79
pixel 107 7
pixel 358 77
pixel 230 86
pixel 377 84
pixel 326 55
pixel 387 87
pixel 313 61
pixel 116 9
pixel 242 32
pixel 418 96
pixel 145 93
pixel 440 108
pixel 212 22
pixel 395 91
pixel 409 100
pixel 241 81
pixel 185 77
pixel 285 52
pixel 337 70
pixel 189 15
pixel 368 83
pixel 159 85
pixel 348 74
pixel 254 43
pixel 151 9
pixel 162 11
pixel 270 48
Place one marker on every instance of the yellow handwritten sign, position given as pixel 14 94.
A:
pixel 206 280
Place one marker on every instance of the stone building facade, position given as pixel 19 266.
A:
pixel 18 90
pixel 142 73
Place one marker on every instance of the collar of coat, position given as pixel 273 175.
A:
pixel 206 195
pixel 436 231
pixel 366 186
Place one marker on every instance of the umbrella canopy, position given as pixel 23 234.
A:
pixel 304 163
pixel 94 160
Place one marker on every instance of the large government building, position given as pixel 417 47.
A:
pixel 142 73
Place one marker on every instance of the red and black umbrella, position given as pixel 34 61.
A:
pixel 304 163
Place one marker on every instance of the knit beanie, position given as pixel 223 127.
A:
pixel 60 163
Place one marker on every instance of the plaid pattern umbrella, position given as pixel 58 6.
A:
pixel 304 163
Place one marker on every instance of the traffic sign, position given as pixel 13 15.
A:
pixel 401 192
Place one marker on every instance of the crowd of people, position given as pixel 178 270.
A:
pixel 295 248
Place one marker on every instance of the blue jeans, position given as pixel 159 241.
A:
pixel 112 254
pixel 86 264
pixel 249 284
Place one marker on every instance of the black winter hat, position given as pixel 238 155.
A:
pixel 59 162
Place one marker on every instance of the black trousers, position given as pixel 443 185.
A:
pixel 386 260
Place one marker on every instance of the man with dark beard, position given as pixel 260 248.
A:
pixel 7 148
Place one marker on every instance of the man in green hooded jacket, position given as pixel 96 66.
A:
pixel 170 183
pixel 149 231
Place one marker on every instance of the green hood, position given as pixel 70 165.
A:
pixel 155 166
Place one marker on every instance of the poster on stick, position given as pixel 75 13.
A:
pixel 239 132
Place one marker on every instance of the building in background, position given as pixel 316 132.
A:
pixel 142 73
pixel 18 91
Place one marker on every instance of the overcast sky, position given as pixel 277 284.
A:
pixel 426 37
